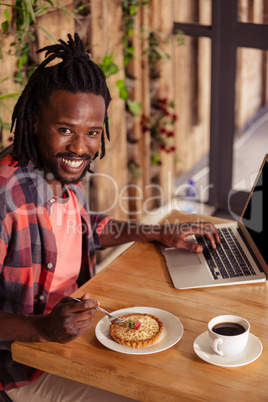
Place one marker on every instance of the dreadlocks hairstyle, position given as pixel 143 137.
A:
pixel 75 73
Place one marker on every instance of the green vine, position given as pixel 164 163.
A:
pixel 4 105
pixel 155 50
pixel 130 9
pixel 21 19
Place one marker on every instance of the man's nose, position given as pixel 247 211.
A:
pixel 78 145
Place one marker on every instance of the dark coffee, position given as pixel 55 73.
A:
pixel 228 328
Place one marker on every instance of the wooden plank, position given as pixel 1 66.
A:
pixel 100 47
pixel 8 68
pixel 146 110
pixel 162 22
pixel 111 177
pixel 166 90
pixel 118 116
pixel 102 187
pixel 136 179
pixel 140 151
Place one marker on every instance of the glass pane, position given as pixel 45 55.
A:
pixel 249 152
pixel 251 142
pixel 254 11
pixel 193 11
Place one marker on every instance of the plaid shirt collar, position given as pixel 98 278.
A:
pixel 38 185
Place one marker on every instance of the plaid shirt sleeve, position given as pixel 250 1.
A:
pixel 28 252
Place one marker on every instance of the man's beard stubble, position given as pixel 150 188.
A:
pixel 53 167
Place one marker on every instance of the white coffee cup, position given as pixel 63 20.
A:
pixel 228 335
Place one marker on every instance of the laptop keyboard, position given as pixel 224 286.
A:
pixel 228 260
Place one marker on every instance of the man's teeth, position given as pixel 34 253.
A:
pixel 73 164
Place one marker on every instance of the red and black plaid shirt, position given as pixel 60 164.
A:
pixel 28 252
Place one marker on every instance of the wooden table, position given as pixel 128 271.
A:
pixel 139 278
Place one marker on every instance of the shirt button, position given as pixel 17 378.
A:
pixel 52 200
pixel 49 265
pixel 41 297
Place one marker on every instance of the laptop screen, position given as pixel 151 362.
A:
pixel 255 214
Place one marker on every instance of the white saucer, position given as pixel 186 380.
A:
pixel 203 350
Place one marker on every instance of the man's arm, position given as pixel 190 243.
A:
pixel 67 321
pixel 171 235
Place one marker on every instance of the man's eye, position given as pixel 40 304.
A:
pixel 64 130
pixel 93 133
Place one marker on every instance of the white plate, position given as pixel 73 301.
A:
pixel 172 332
pixel 203 349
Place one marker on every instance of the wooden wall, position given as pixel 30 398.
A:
pixel 7 86
pixel 185 78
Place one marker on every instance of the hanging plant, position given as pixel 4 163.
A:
pixel 134 170
pixel 21 20
pixel 130 9
pixel 161 125
pixel 155 50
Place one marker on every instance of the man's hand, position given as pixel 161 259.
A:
pixel 67 320
pixel 176 235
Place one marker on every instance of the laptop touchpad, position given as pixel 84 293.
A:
pixel 178 257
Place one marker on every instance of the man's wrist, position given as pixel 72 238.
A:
pixel 151 232
pixel 36 323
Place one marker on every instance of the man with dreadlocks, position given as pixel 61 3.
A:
pixel 60 122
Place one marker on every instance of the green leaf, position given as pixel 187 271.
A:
pixel 133 10
pixel 123 93
pixel 7 15
pixel 120 84
pixel 156 158
pixel 134 107
pixel 4 79
pixel 111 70
pixel 51 3
pixel 9 96
pixel 108 66
pixel 41 11
pixel 53 40
pixel 22 61
pixel 5 26
pixel 29 9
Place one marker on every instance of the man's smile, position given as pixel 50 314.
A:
pixel 73 163
pixel 72 166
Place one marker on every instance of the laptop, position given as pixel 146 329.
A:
pixel 242 256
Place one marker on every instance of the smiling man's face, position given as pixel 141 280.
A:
pixel 69 134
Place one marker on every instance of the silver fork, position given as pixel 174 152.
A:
pixel 111 317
